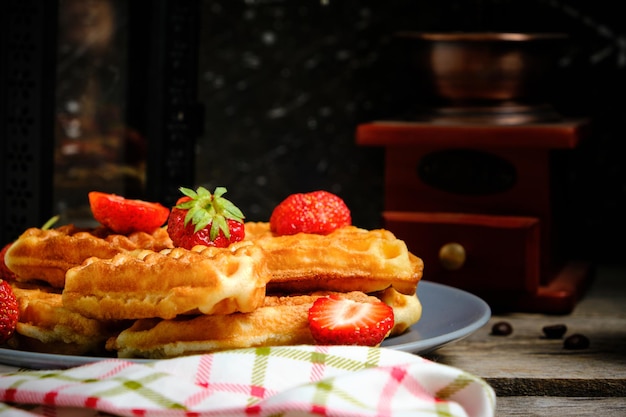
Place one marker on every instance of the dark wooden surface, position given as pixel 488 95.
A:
pixel 536 376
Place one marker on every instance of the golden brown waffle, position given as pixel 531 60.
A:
pixel 45 326
pixel 280 321
pixel 348 259
pixel 407 309
pixel 46 255
pixel 146 284
pixel 258 230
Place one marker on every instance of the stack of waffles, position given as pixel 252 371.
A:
pixel 91 292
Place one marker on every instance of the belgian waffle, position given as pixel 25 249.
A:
pixel 348 259
pixel 46 326
pixel 147 284
pixel 282 320
pixel 407 309
pixel 46 255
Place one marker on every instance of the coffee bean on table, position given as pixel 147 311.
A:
pixel 576 341
pixel 555 331
pixel 501 328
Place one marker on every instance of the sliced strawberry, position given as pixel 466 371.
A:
pixel 9 313
pixel 202 218
pixel 338 321
pixel 125 216
pixel 318 212
pixel 5 272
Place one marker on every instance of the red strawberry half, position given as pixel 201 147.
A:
pixel 125 216
pixel 338 321
pixel 202 218
pixel 5 272
pixel 318 212
pixel 9 313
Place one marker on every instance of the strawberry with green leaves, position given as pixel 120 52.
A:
pixel 318 212
pixel 125 216
pixel 9 312
pixel 202 218
pixel 340 321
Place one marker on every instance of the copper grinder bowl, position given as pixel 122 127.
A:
pixel 485 67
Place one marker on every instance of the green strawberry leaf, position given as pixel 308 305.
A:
pixel 51 221
pixel 206 209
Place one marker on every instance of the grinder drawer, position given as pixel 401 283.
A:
pixel 474 252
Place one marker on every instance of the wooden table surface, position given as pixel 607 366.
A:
pixel 536 376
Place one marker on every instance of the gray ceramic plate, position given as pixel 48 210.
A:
pixel 449 314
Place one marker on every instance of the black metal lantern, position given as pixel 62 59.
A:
pixel 160 103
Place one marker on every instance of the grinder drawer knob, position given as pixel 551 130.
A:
pixel 452 256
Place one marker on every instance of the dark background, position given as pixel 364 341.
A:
pixel 286 83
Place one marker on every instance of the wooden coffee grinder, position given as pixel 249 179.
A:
pixel 471 184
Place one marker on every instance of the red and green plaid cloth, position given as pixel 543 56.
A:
pixel 273 381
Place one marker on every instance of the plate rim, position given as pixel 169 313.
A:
pixel 38 360
pixel 483 312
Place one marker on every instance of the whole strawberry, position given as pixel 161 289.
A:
pixel 9 313
pixel 202 218
pixel 318 212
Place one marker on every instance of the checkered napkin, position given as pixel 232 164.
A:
pixel 274 381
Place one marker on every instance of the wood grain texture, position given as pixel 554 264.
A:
pixel 533 375
pixel 559 407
